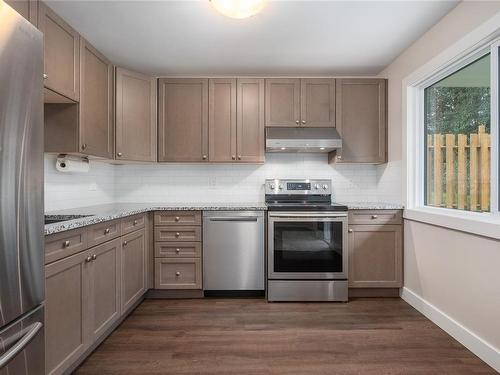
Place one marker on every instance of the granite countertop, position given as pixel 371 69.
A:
pixel 96 214
pixel 373 206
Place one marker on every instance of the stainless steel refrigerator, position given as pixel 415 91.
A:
pixel 22 287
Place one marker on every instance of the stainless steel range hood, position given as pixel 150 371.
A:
pixel 302 140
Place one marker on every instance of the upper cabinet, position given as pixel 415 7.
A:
pixel 183 120
pixel 96 103
pixel 361 116
pixel 61 55
pixel 300 102
pixel 215 120
pixel 26 8
pixel 250 120
pixel 135 116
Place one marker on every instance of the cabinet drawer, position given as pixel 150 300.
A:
pixel 178 234
pixel 132 223
pixel 64 244
pixel 178 218
pixel 178 249
pixel 177 273
pixel 375 217
pixel 103 232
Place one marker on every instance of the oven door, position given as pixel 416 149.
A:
pixel 307 245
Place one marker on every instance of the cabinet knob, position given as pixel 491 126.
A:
pixel 106 231
pixel 303 122
pixel 349 230
pixel 45 76
pixel 125 243
pixel 177 234
pixel 94 257
pixel 204 157
pixel 177 218
pixel 135 222
pixel 84 146
pixel 297 122
pixel 339 157
pixel 119 154
pixel 177 273
pixel 66 243
pixel 374 216
pixel 88 259
pixel 177 251
pixel 234 157
pixel 239 157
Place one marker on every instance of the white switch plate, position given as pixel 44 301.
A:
pixel 93 186
pixel 212 182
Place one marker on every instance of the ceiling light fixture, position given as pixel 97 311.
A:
pixel 238 8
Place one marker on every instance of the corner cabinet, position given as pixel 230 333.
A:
pixel 361 120
pixel 293 102
pixel 96 103
pixel 135 116
pixel 26 8
pixel 61 55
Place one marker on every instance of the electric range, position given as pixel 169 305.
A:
pixel 307 242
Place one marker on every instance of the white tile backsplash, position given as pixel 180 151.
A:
pixel 106 183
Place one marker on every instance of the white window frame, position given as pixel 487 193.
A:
pixel 485 39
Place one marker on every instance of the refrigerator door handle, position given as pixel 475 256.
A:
pixel 19 346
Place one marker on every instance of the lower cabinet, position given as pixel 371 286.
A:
pixel 178 273
pixel 66 311
pixel 104 288
pixel 375 256
pixel 133 268
pixel 88 292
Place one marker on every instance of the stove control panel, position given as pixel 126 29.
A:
pixel 298 187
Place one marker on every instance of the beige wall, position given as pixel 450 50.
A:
pixel 456 272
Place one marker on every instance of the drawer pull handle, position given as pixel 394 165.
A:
pixel 125 243
pixel 177 218
pixel 66 243
pixel 177 234
pixel 177 251
pixel 374 216
pixel 350 230
pixel 106 231
pixel 177 274
pixel 135 222
pixel 94 257
pixel 88 259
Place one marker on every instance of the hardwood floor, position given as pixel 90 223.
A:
pixel 249 336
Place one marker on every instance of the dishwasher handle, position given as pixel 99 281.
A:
pixel 242 218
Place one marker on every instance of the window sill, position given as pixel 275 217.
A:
pixel 481 224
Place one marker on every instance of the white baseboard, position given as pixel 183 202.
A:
pixel 470 340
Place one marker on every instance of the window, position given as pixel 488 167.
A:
pixel 457 127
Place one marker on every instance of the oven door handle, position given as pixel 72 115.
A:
pixel 309 216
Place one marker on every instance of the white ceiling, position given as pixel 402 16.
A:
pixel 286 38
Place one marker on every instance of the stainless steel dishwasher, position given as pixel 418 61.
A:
pixel 233 253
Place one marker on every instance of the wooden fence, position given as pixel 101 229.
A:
pixel 458 170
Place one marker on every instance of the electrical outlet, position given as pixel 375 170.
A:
pixel 212 182
pixel 93 186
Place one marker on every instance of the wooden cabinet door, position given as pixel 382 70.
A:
pixel 104 288
pixel 282 102
pixel 222 119
pixel 250 120
pixel 183 120
pixel 133 268
pixel 96 103
pixel 66 305
pixel 135 116
pixel 61 54
pixel 317 102
pixel 26 8
pixel 375 256
pixel 361 120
